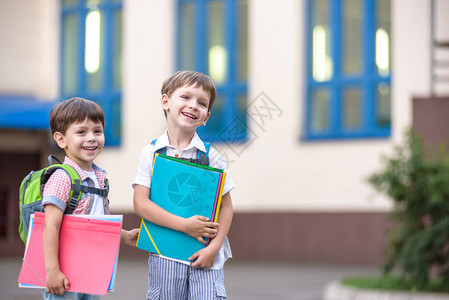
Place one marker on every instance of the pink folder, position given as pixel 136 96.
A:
pixel 88 249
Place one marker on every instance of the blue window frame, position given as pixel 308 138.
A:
pixel 91 55
pixel 348 69
pixel 212 38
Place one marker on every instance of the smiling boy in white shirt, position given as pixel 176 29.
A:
pixel 187 100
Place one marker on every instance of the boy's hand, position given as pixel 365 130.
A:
pixel 205 258
pixel 57 283
pixel 130 237
pixel 199 227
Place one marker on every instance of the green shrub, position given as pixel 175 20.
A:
pixel 418 183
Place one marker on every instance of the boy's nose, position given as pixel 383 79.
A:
pixel 90 136
pixel 192 103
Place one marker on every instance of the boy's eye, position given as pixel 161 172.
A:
pixel 185 97
pixel 203 104
pixel 80 131
pixel 99 131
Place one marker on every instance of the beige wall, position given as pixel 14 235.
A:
pixel 29 53
pixel 277 171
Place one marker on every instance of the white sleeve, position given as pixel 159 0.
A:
pixel 216 160
pixel 145 167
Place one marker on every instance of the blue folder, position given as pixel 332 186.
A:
pixel 184 189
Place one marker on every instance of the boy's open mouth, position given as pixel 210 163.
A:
pixel 189 115
pixel 89 148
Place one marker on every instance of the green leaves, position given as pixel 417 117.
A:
pixel 418 183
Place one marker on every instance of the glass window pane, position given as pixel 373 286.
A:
pixel 117 59
pixel 70 55
pixel 94 3
pixel 242 60
pixel 242 104
pixel 320 110
pixel 217 50
pixel 69 2
pixel 352 108
pixel 383 105
pixel 383 46
pixel 321 59
pixel 86 78
pixel 93 59
pixel 216 120
pixel 116 119
pixel 241 124
pixel 187 37
pixel 352 37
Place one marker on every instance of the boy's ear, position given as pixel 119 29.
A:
pixel 59 139
pixel 207 118
pixel 164 102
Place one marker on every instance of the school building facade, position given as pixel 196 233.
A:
pixel 310 94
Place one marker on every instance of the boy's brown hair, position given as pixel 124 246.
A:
pixel 72 111
pixel 188 78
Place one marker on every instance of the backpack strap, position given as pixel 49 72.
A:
pixel 75 180
pixel 76 187
pixel 93 190
pixel 202 159
pixel 50 160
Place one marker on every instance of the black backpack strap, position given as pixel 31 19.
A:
pixel 78 188
pixel 93 190
pixel 202 159
pixel 51 158
pixel 73 202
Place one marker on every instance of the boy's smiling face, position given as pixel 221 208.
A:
pixel 82 142
pixel 187 108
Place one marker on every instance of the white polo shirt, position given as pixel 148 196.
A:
pixel 144 169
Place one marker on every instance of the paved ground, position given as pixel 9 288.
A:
pixel 243 280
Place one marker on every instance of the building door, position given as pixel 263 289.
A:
pixel 14 167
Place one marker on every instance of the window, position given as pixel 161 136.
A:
pixel 348 69
pixel 213 39
pixel 91 55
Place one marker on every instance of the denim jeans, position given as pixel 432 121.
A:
pixel 70 296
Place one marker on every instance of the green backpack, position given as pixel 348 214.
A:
pixel 32 186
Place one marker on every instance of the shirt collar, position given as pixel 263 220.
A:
pixel 98 171
pixel 163 141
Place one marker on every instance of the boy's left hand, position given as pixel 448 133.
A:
pixel 130 237
pixel 205 258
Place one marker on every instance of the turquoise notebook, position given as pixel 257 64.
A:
pixel 184 189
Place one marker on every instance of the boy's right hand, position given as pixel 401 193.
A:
pixel 57 283
pixel 199 227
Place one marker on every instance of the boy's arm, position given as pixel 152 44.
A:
pixel 205 257
pixel 57 283
pixel 196 226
